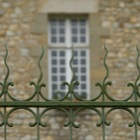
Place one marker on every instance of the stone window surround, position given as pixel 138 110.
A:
pixel 66 47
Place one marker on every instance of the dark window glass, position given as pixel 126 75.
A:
pixel 62 62
pixel 75 53
pixel 76 87
pixel 62 31
pixel 62 78
pixel 83 70
pixel 54 78
pixel 62 53
pixel 83 86
pixel 53 31
pixel 83 53
pixel 54 87
pixel 74 22
pixel 54 70
pixel 76 70
pixel 61 22
pixel 54 53
pixel 74 31
pixel 62 70
pixel 83 61
pixel 53 22
pixel 61 39
pixel 63 87
pixel 83 78
pixel 54 62
pixel 82 31
pixel 53 39
pixel 77 78
pixel 75 61
pixel 74 39
pixel 83 39
pixel 83 22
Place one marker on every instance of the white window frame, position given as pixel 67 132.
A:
pixel 68 42
pixel 67 45
pixel 68 70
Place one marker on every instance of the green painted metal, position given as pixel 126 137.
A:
pixel 70 107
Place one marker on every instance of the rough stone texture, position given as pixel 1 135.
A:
pixel 123 20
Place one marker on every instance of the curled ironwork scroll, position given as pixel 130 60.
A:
pixel 103 104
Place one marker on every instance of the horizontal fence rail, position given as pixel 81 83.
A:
pixel 71 108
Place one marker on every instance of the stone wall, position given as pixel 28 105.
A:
pixel 123 20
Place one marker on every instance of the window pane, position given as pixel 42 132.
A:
pixel 62 62
pixel 53 39
pixel 62 31
pixel 83 22
pixel 61 22
pixel 76 70
pixel 83 61
pixel 62 53
pixel 74 40
pixel 83 53
pixel 74 22
pixel 62 78
pixel 53 31
pixel 76 87
pixel 83 70
pixel 61 39
pixel 54 87
pixel 83 39
pixel 54 62
pixel 75 61
pixel 62 70
pixel 83 86
pixel 75 53
pixel 83 78
pixel 74 30
pixel 54 53
pixel 76 77
pixel 54 78
pixel 62 87
pixel 54 70
pixel 53 22
pixel 82 30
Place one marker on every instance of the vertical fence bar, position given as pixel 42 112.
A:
pixel 5 128
pixel 103 123
pixel 135 123
pixel 113 104
pixel 5 90
pixel 38 90
pixel 70 126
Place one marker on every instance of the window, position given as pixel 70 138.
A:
pixel 63 33
pixel 68 31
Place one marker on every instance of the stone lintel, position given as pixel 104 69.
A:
pixel 69 6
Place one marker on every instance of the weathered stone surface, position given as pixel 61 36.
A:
pixel 49 138
pixel 122 19
pixel 89 137
pixel 2 12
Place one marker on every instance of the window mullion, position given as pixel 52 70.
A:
pixel 68 70
pixel 68 33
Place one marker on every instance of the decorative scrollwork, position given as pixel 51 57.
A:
pixel 6 84
pixel 70 109
pixel 17 108
pixel 104 84
pixel 135 86
pixel 48 109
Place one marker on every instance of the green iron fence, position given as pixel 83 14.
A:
pixel 70 108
